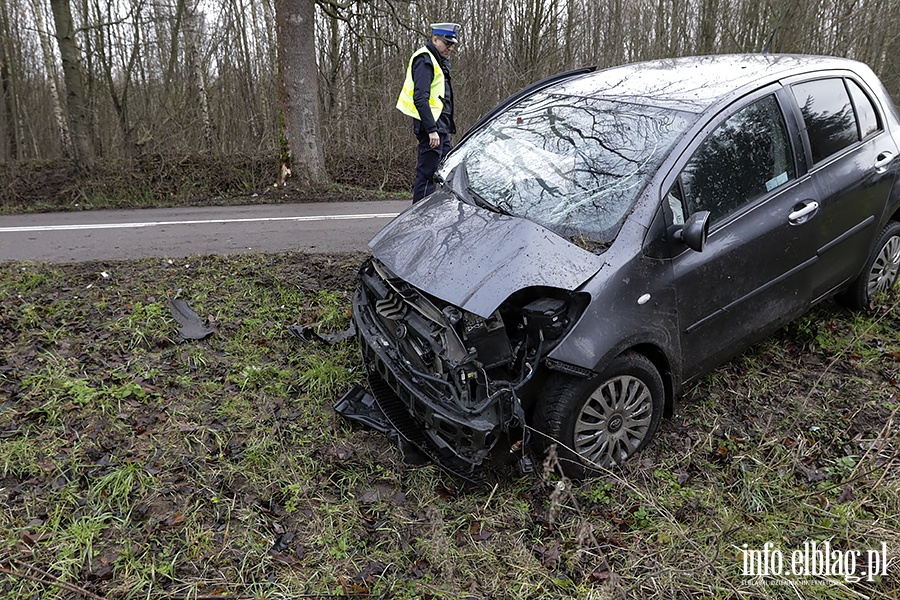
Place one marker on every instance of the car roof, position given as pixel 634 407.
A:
pixel 694 83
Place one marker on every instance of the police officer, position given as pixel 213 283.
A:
pixel 427 97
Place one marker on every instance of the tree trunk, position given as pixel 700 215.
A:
pixel 891 68
pixel 197 76
pixel 299 87
pixel 9 138
pixel 173 41
pixel 56 100
pixel 709 13
pixel 79 118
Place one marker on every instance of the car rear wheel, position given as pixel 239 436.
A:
pixel 880 273
pixel 601 421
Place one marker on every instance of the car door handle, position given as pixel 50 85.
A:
pixel 803 210
pixel 883 160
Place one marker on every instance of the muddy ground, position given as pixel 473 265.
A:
pixel 134 463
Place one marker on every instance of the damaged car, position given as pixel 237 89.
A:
pixel 602 238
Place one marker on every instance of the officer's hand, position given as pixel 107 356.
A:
pixel 434 140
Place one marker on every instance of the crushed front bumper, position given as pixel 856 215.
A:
pixel 424 409
pixel 366 408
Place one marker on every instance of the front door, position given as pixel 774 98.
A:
pixel 755 271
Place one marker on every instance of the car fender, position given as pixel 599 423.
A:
pixel 633 305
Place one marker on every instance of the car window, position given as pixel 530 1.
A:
pixel 573 165
pixel 745 158
pixel 676 204
pixel 866 115
pixel 828 114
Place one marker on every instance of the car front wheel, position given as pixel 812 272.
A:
pixel 601 421
pixel 880 273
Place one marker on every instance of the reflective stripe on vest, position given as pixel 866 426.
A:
pixel 405 102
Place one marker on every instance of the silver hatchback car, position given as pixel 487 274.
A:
pixel 603 237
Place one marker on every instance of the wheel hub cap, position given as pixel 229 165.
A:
pixel 615 424
pixel 884 270
pixel 613 421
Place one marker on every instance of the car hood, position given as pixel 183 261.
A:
pixel 475 258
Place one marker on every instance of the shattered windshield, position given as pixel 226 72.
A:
pixel 573 165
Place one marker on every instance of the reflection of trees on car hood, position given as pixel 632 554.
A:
pixel 475 258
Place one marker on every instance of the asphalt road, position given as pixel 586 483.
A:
pixel 182 232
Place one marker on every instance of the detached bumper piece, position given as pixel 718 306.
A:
pixel 359 405
pixel 383 411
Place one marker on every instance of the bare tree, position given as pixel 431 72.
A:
pixel 197 74
pixel 76 102
pixel 56 99
pixel 299 79
pixel 117 45
pixel 9 129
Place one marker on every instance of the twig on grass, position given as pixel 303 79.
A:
pixel 45 576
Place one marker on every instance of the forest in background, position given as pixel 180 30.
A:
pixel 163 80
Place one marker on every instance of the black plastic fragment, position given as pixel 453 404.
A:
pixel 359 405
pixel 411 432
pixel 308 333
pixel 525 465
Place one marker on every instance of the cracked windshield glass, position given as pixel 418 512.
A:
pixel 573 165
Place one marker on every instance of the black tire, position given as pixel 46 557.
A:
pixel 601 421
pixel 881 270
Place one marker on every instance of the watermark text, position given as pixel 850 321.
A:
pixel 816 559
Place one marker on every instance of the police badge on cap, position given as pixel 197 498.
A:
pixel 446 31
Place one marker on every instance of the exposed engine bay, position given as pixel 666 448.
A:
pixel 450 379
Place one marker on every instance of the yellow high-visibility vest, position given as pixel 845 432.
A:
pixel 405 102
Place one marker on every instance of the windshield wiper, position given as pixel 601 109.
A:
pixel 479 201
pixel 460 175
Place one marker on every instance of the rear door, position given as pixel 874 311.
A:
pixel 849 152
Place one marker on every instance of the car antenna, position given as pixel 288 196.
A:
pixel 768 45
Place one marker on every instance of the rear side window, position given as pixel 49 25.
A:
pixel 743 159
pixel 828 113
pixel 865 110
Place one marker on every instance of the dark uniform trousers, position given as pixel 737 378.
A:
pixel 427 163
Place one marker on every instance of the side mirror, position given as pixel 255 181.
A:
pixel 695 231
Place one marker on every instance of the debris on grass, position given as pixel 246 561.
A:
pixel 135 467
pixel 192 327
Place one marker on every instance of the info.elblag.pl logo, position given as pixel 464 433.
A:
pixel 816 560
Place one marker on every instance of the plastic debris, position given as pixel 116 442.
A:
pixel 192 328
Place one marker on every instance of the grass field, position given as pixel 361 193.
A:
pixel 135 464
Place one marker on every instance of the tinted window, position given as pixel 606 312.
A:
pixel 828 114
pixel 743 159
pixel 865 111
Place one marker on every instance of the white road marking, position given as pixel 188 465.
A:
pixel 74 227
